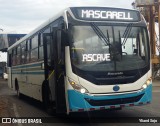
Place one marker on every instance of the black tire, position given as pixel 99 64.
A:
pixel 48 104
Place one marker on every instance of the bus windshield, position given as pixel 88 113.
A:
pixel 109 48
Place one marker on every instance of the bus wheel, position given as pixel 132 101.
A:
pixel 47 101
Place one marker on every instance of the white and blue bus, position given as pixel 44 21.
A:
pixel 84 59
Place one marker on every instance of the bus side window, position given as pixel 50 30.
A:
pixel 34 46
pixel 18 54
pixel 59 45
pixel 47 33
pixel 23 54
pixel 28 51
pixel 14 56
pixel 40 41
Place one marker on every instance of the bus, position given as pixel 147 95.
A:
pixel 84 59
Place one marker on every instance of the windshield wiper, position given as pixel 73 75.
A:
pixel 113 50
pixel 100 34
pixel 127 33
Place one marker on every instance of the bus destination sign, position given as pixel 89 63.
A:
pixel 107 14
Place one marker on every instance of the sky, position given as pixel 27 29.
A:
pixel 23 16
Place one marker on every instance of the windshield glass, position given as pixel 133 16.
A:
pixel 109 48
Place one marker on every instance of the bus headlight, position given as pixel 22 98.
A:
pixel 144 86
pixel 148 82
pixel 77 86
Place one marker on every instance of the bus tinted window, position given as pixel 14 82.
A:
pixel 48 40
pixel 34 54
pixel 41 52
pixel 34 42
pixel 33 46
pixel 14 56
pixel 19 54
pixel 18 49
pixel 28 56
pixel 23 54
pixel 28 45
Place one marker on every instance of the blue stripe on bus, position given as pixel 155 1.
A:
pixel 27 66
pixel 77 100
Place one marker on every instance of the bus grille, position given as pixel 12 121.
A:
pixel 114 101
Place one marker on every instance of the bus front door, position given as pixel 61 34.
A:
pixel 49 87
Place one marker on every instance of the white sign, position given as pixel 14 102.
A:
pixel 96 57
pixel 106 15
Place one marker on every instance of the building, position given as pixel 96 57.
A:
pixel 2 68
pixel 6 40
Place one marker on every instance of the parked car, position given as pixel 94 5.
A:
pixel 5 76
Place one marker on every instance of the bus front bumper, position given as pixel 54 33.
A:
pixel 79 102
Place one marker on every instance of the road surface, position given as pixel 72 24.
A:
pixel 11 106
